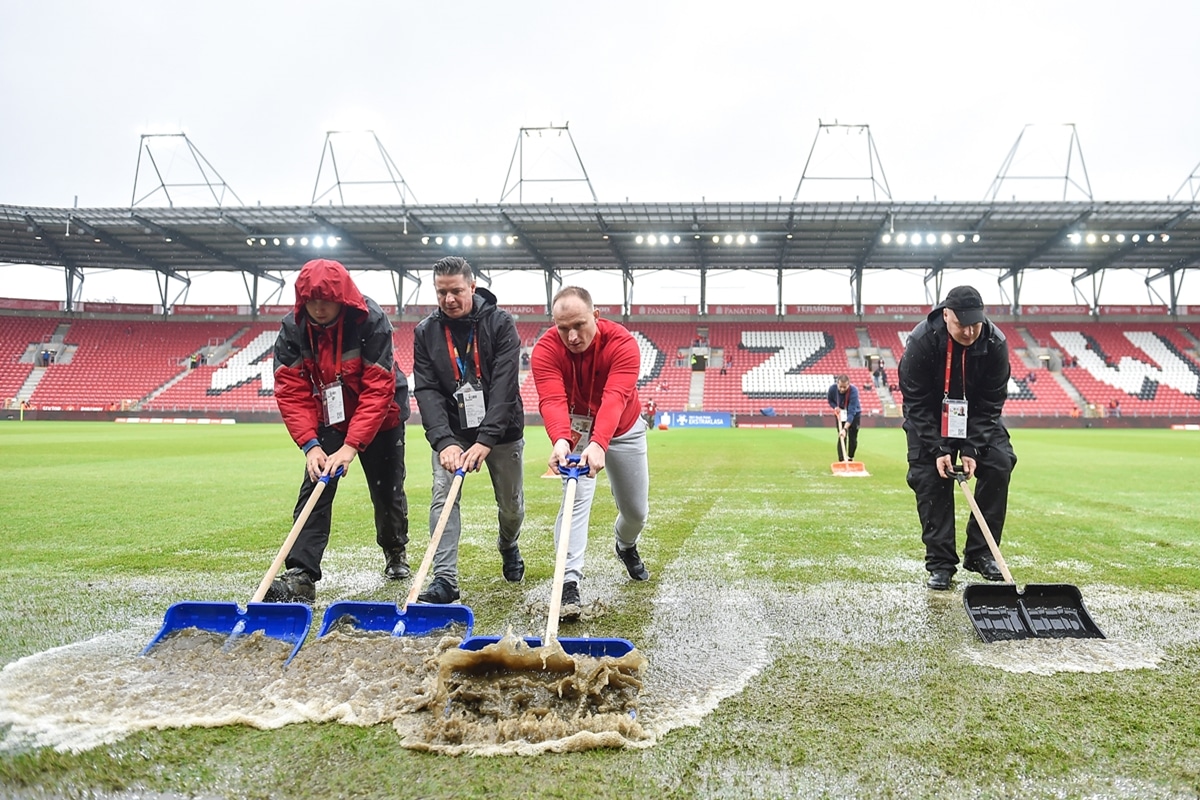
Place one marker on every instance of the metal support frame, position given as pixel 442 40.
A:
pixel 393 179
pixel 518 160
pixel 1074 150
pixel 874 165
pixel 217 188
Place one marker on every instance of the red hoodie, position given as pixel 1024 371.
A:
pixel 600 382
pixel 366 368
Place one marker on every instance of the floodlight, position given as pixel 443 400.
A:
pixel 639 238
pixel 741 238
pixel 275 240
pixel 930 238
pixel 1137 237
pixel 716 239
pixel 495 240
pixel 424 240
pixel 754 238
pixel 1120 237
pixel 1150 237
pixel 437 240
pixel 962 238
pixel 887 238
pixel 1166 237
pixel 304 241
pixel 453 241
pixel 318 241
pixel 291 240
pixel 675 238
pixel 728 239
pixel 901 238
pixel 510 239
pixel 1104 238
pixel 1091 238
pixel 481 240
pixel 945 238
pixel 975 238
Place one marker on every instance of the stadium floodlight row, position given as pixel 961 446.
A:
pixel 1084 238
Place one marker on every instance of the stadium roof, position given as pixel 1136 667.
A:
pixel 1084 237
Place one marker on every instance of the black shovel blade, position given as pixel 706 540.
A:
pixel 995 611
pixel 1001 613
pixel 1056 611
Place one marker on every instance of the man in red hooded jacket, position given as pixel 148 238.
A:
pixel 586 372
pixel 342 398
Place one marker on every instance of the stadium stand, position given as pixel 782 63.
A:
pixel 21 341
pixel 1128 367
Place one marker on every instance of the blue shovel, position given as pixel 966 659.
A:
pixel 584 646
pixel 287 621
pixel 412 618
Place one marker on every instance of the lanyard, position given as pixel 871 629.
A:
pixel 577 382
pixel 455 360
pixel 844 399
pixel 337 357
pixel 949 350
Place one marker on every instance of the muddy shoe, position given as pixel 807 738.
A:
pixel 397 565
pixel 571 608
pixel 633 563
pixel 513 564
pixel 293 586
pixel 440 591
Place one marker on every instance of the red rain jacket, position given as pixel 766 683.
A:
pixel 375 394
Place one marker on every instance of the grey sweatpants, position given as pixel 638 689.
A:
pixel 506 467
pixel 629 478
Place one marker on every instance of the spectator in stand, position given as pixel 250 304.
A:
pixel 342 397
pixel 1114 407
pixel 954 377
pixel 466 378
pixel 880 375
pixel 585 370
pixel 843 398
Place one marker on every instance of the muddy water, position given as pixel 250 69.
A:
pixel 706 639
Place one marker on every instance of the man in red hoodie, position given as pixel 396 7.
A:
pixel 586 372
pixel 342 398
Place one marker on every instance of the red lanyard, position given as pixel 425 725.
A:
pixel 577 382
pixel 337 357
pixel 455 360
pixel 949 350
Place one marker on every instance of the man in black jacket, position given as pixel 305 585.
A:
pixel 467 383
pixel 954 379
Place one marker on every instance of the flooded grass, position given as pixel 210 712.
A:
pixel 791 647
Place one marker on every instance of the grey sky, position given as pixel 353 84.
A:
pixel 666 100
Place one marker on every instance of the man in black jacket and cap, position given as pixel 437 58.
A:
pixel 954 379
pixel 466 378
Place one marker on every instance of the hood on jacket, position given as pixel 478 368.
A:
pixel 323 279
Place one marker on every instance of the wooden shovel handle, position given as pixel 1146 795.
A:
pixel 434 540
pixel 560 561
pixel 286 548
pixel 983 526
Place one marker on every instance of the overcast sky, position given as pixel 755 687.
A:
pixel 666 101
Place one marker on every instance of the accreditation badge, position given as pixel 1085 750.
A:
pixel 954 418
pixel 843 416
pixel 581 433
pixel 333 403
pixel 471 406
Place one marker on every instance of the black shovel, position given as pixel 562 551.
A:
pixel 1001 612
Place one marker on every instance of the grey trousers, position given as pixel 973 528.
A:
pixel 506 467
pixel 629 479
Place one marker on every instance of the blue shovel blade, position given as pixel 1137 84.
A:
pixel 288 622
pixel 596 647
pixel 417 620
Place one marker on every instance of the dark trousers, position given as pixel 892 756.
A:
pixel 851 439
pixel 382 463
pixel 935 504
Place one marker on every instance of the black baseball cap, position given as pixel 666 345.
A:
pixel 966 304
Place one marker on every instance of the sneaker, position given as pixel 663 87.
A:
pixel 633 563
pixel 293 586
pixel 513 564
pixel 396 567
pixel 440 591
pixel 571 608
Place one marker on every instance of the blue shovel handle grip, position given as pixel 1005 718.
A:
pixel 461 472
pixel 573 470
pixel 337 474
